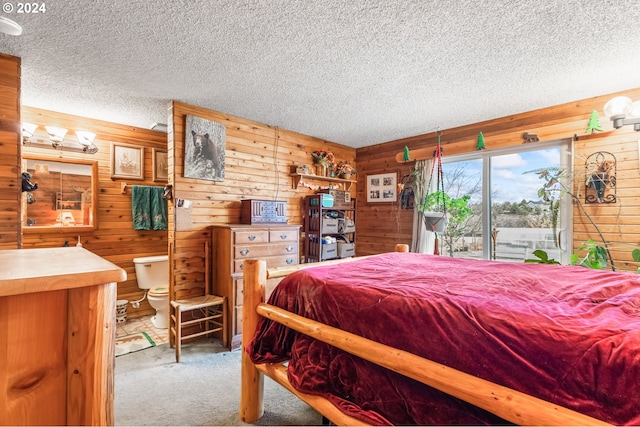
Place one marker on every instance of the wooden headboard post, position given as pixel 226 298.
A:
pixel 252 394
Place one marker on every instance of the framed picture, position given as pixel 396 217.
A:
pixel 160 165
pixel 127 161
pixel 382 188
pixel 204 149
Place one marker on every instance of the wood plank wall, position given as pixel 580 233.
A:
pixel 9 152
pixel 381 226
pixel 115 239
pixel 258 161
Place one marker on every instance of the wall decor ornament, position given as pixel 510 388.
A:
pixel 600 178
pixel 480 145
pixel 530 137
pixel 160 165
pixel 127 161
pixel 382 188
pixel 594 123
pixel 204 149
pixel 406 157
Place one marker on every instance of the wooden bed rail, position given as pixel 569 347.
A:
pixel 504 402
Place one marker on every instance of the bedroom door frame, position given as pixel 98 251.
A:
pixel 565 214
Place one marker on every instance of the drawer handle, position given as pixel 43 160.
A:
pixel 289 260
pixel 252 237
pixel 289 248
pixel 242 266
pixel 283 236
pixel 244 252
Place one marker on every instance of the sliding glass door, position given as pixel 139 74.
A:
pixel 511 217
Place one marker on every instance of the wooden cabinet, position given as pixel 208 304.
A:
pixel 57 337
pixel 335 222
pixel 232 245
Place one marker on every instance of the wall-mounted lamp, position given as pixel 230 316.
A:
pixel 83 143
pixel 618 108
pixel 56 134
pixel 9 26
pixel 28 129
pixel 85 138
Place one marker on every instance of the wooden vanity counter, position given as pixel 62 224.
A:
pixel 57 336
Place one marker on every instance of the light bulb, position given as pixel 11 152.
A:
pixel 56 134
pixel 634 110
pixel 618 106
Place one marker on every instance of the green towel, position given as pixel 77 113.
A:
pixel 148 207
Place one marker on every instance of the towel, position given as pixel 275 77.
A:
pixel 148 207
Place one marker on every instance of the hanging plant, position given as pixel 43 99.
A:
pixel 457 211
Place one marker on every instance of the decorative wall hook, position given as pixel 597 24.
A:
pixel 600 176
pixel 167 194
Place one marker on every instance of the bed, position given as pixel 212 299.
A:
pixel 404 338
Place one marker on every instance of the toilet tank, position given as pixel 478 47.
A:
pixel 152 271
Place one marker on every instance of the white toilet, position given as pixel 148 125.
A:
pixel 152 274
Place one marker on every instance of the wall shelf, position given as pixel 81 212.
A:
pixel 299 177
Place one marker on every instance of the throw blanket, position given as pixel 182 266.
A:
pixel 569 335
pixel 149 209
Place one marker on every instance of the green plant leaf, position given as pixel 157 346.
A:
pixel 573 259
pixel 543 258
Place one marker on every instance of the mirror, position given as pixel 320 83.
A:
pixel 65 197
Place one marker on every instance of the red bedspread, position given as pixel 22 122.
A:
pixel 569 335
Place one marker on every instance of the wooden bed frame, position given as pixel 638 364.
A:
pixel 504 402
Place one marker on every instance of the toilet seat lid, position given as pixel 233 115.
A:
pixel 159 291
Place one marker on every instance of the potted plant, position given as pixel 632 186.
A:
pixel 345 170
pixel 442 212
pixel 322 159
pixel 555 184
pixel 433 211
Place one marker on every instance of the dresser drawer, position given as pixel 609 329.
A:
pixel 258 251
pixel 271 285
pixel 249 236
pixel 289 235
pixel 272 261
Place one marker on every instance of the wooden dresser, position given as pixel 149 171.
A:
pixel 231 244
pixel 57 337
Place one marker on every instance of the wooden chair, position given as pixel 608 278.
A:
pixel 211 317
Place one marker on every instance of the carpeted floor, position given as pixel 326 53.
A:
pixel 202 390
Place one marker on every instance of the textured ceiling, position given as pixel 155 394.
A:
pixel 353 72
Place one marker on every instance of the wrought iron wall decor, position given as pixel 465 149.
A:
pixel 600 178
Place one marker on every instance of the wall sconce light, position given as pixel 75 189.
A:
pixel 618 108
pixel 9 26
pixel 85 139
pixel 28 130
pixel 83 143
pixel 56 135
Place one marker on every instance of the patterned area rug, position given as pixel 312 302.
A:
pixel 133 342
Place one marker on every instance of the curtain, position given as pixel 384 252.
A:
pixel 422 240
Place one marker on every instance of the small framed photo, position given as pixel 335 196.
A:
pixel 127 161
pixel 160 165
pixel 382 188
